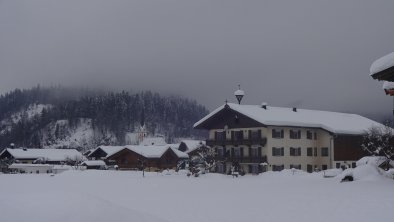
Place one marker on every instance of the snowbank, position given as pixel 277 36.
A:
pixel 332 172
pixel 366 172
pixel 68 207
pixel 102 196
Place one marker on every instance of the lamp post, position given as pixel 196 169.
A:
pixel 239 94
pixel 142 162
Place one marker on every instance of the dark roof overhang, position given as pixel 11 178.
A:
pixel 387 75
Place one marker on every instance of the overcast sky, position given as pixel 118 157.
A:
pixel 309 54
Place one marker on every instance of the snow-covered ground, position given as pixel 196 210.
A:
pixel 126 196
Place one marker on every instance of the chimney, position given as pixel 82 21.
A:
pixel 294 109
pixel 264 105
pixel 12 145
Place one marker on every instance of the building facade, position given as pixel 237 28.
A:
pixel 262 138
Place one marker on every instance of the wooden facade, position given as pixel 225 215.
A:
pixel 348 147
pixel 127 159
pixel 230 118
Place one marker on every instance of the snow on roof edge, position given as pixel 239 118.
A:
pixel 382 63
pixel 298 123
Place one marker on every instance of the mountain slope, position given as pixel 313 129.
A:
pixel 80 118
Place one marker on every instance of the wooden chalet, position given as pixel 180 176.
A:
pixel 130 157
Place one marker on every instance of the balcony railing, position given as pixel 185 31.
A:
pixel 243 159
pixel 236 142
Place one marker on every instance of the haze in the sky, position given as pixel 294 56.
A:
pixel 305 53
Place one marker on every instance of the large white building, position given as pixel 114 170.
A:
pixel 260 137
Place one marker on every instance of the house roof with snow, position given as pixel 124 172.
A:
pixel 149 152
pixel 192 145
pixel 108 150
pixel 47 154
pixel 155 151
pixel 383 68
pixel 335 122
pixel 93 163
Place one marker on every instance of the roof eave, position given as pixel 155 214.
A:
pixel 386 74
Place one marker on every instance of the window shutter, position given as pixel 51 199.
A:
pixel 250 151
pixel 282 133
pixel 259 151
pixel 282 151
pixel 259 134
pixel 232 152
pixel 250 134
pixel 242 151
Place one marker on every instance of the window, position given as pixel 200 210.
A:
pixel 220 136
pixel 315 151
pixel 295 166
pixel 309 168
pixel 255 134
pixel 237 152
pixel 309 135
pixel 254 169
pixel 276 151
pixel 354 165
pixel 220 168
pixel 309 151
pixel 295 151
pixel 237 135
pixel 324 151
pixel 324 167
pixel 295 134
pixel 220 152
pixel 278 167
pixel 276 133
pixel 338 165
pixel 315 135
pixel 254 152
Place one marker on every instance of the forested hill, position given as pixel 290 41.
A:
pixel 80 118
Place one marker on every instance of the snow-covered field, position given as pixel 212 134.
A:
pixel 126 196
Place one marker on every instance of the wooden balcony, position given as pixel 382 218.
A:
pixel 243 159
pixel 237 142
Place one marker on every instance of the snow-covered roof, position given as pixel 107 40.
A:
pixel 383 63
pixel 192 144
pixel 21 165
pixel 388 85
pixel 47 154
pixel 174 145
pixel 158 141
pixel 155 151
pixel 109 150
pixel 93 163
pixel 335 122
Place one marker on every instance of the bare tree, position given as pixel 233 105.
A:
pixel 378 141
